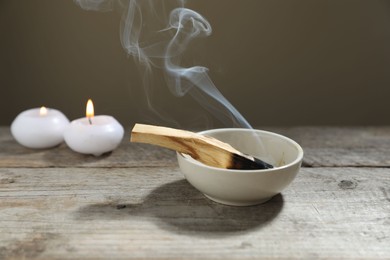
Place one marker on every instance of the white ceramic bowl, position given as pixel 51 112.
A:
pixel 246 187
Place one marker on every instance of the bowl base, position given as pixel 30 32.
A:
pixel 238 204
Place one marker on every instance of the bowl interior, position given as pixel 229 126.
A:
pixel 270 147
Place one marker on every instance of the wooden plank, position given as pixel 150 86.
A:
pixel 153 213
pixel 341 146
pixel 323 146
pixel 126 155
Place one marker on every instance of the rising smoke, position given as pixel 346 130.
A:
pixel 164 46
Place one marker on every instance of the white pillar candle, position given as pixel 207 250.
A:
pixel 39 127
pixel 94 134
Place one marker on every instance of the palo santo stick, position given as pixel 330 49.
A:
pixel 205 149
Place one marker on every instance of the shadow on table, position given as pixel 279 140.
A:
pixel 180 208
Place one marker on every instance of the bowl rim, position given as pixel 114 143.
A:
pixel 297 160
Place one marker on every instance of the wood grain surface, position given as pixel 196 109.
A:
pixel 135 204
pixel 126 155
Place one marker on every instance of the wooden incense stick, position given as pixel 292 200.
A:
pixel 205 149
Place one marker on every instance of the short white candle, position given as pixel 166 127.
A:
pixel 39 127
pixel 94 134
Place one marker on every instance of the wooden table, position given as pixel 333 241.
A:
pixel 135 204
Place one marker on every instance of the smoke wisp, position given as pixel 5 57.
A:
pixel 158 38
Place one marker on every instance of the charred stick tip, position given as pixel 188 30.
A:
pixel 243 163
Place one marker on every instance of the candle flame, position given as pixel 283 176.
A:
pixel 43 111
pixel 90 111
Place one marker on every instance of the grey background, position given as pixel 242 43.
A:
pixel 279 63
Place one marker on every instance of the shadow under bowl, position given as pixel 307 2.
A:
pixel 246 187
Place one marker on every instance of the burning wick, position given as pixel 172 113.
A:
pixel 43 111
pixel 104 135
pixel 90 111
